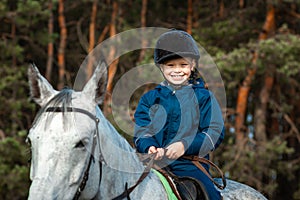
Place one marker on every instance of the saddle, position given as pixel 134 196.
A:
pixel 191 189
pixel 188 188
pixel 184 188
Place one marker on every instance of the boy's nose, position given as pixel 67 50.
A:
pixel 177 68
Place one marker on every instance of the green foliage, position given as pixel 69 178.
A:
pixel 223 32
pixel 16 115
pixel 15 106
pixel 232 65
pixel 227 33
pixel 14 171
pixel 244 164
pixel 31 12
pixel 285 50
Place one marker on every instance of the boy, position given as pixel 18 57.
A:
pixel 180 116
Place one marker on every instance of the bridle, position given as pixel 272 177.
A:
pixel 85 178
pixel 95 136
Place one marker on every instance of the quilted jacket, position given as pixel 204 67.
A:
pixel 190 114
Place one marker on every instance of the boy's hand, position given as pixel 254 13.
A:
pixel 175 150
pixel 160 152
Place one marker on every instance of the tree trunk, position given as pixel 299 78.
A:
pixel 62 45
pixel 245 87
pixel 50 42
pixel 241 107
pixel 143 25
pixel 241 4
pixel 104 32
pixel 221 9
pixel 260 121
pixel 91 60
pixel 189 20
pixel 269 25
pixel 111 59
pixel 14 41
pixel 260 114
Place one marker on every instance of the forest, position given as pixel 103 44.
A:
pixel 255 45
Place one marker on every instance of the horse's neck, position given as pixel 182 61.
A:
pixel 120 160
pixel 116 151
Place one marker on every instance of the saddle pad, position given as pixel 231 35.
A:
pixel 171 195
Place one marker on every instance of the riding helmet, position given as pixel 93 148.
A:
pixel 173 44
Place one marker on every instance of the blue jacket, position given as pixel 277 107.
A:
pixel 190 114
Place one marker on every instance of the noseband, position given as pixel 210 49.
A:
pixel 96 135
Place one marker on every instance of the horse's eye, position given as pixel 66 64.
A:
pixel 79 144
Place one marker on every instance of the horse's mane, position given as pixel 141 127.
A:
pixel 63 100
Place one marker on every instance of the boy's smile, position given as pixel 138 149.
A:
pixel 177 71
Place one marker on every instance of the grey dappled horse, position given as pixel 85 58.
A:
pixel 77 153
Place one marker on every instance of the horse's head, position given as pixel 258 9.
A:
pixel 64 136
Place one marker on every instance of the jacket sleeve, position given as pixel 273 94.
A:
pixel 143 133
pixel 210 131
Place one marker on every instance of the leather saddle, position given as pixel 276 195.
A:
pixel 190 189
pixel 185 188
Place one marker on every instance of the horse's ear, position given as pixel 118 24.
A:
pixel 96 86
pixel 41 90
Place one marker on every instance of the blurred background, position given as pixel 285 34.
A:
pixel 255 44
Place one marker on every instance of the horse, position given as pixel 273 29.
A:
pixel 76 153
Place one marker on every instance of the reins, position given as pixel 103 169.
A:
pixel 96 135
pixel 197 160
pixel 127 191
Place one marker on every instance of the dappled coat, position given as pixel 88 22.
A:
pixel 190 114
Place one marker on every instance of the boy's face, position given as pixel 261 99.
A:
pixel 177 71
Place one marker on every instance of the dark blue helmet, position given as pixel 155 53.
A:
pixel 173 44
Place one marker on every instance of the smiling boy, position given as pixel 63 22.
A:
pixel 180 116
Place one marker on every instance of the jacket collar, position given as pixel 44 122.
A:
pixel 166 88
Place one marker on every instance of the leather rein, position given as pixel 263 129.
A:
pixel 197 160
